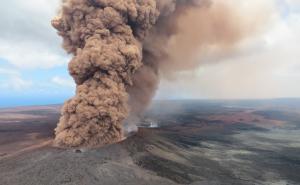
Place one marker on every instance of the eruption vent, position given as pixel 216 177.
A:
pixel 121 47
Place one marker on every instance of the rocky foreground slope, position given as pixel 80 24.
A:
pixel 196 143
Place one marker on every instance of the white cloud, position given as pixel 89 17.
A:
pixel 293 4
pixel 30 55
pixel 6 71
pixel 27 39
pixel 15 83
pixel 64 82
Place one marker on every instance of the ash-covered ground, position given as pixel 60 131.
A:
pixel 197 142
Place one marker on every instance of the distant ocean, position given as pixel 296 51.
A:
pixel 30 101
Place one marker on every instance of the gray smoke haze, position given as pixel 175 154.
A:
pixel 121 48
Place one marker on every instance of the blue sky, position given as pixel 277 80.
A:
pixel 34 86
pixel 33 66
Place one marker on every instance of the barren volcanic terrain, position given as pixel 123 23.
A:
pixel 196 142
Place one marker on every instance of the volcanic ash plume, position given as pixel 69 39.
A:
pixel 104 37
pixel 119 55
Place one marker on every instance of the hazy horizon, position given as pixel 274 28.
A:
pixel 32 102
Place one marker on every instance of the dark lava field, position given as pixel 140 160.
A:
pixel 196 142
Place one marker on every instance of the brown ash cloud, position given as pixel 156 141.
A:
pixel 121 49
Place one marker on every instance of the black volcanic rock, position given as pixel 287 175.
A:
pixel 187 148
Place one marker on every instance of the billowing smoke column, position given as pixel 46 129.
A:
pixel 120 49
